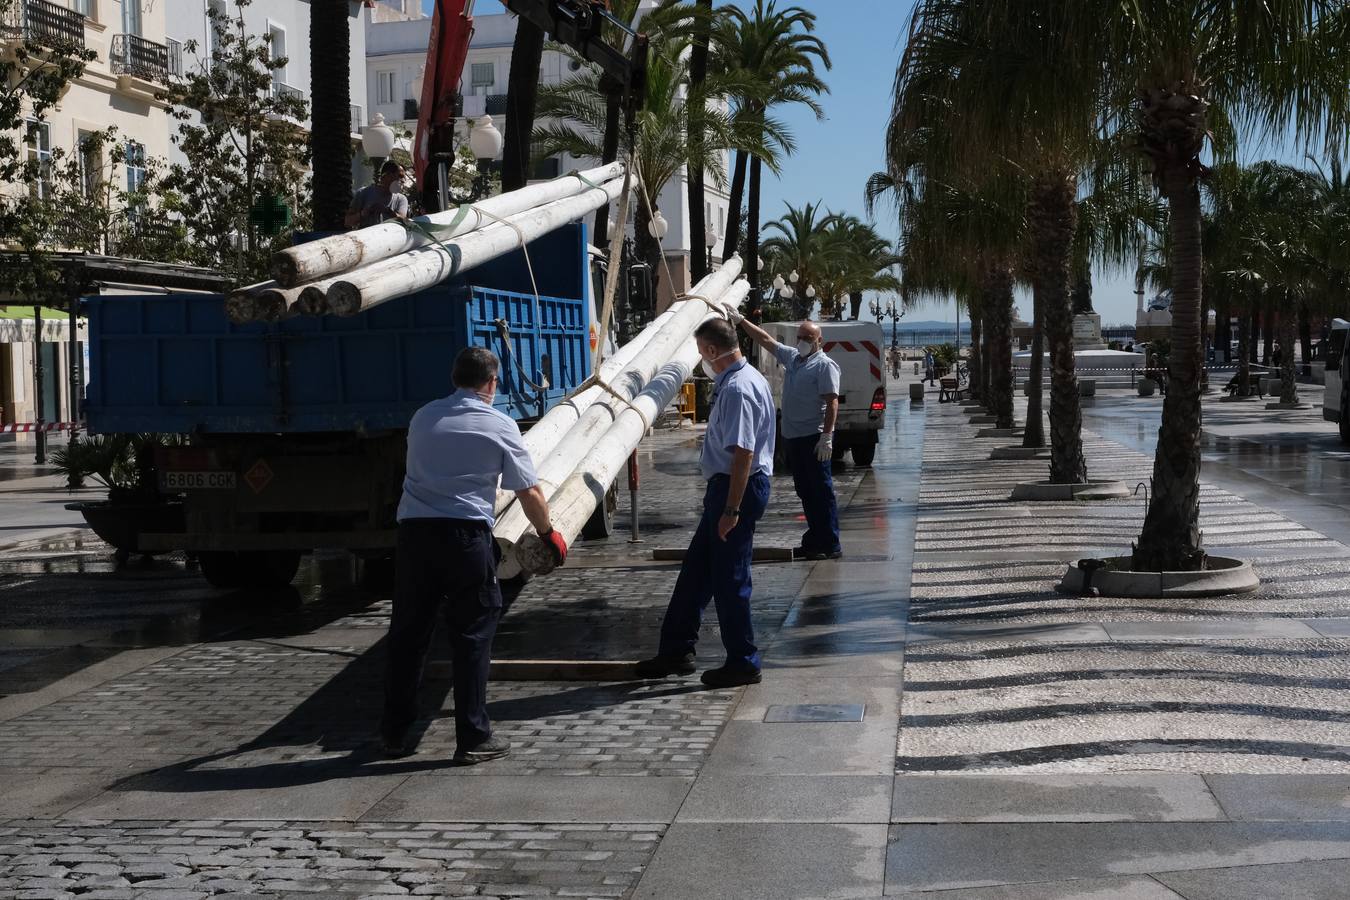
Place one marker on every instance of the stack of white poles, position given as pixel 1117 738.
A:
pixel 348 273
pixel 590 453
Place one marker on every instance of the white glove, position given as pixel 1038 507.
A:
pixel 825 446
pixel 733 314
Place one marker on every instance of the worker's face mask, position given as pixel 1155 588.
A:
pixel 491 392
pixel 805 346
pixel 707 364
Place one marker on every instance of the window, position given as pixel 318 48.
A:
pixel 91 165
pixel 84 8
pixel 40 152
pixel 276 50
pixel 135 166
pixel 131 16
pixel 721 220
pixel 385 87
pixel 481 77
pixel 216 23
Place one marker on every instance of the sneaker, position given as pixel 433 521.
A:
pixel 726 676
pixel 492 748
pixel 660 666
pixel 399 746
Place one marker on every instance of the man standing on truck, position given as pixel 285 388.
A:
pixel 382 200
pixel 459 448
pixel 736 460
pixel 810 408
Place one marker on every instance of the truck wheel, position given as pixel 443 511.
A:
pixel 601 523
pixel 838 453
pixel 1344 423
pixel 376 572
pixel 251 569
pixel 863 453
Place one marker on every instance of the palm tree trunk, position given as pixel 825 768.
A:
pixel 1033 434
pixel 976 358
pixel 1288 336
pixel 1221 329
pixel 1052 215
pixel 732 240
pixel 987 355
pixel 609 151
pixel 330 135
pixel 1305 338
pixel 998 299
pixel 752 228
pixel 1267 329
pixel 855 299
pixel 1170 539
pixel 1244 369
pixel 522 88
pixel 648 247
pixel 1255 330
pixel 694 109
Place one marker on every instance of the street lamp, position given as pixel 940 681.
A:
pixel 811 291
pixel 709 239
pixel 785 292
pixel 778 283
pixel 377 140
pixel 658 226
pixel 892 312
pixel 485 143
pixel 794 277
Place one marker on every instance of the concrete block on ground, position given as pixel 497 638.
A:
pixel 456 797
pixel 1053 798
pixel 775 798
pixel 916 392
pixel 1306 798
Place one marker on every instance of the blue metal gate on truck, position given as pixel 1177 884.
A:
pixel 174 363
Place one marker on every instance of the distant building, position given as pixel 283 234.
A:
pixel 396 56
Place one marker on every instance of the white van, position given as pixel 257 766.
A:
pixel 1333 403
pixel 857 348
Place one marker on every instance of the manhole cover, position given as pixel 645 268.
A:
pixel 815 712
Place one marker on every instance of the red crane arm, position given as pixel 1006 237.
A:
pixel 451 31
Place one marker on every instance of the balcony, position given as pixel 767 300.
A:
pixel 281 89
pixel 495 105
pixel 134 55
pixel 409 110
pixel 43 23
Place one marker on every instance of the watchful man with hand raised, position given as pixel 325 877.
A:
pixel 459 448
pixel 810 407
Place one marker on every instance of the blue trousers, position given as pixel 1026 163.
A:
pixel 444 566
pixel 815 487
pixel 718 571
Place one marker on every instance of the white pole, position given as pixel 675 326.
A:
pixel 595 449
pixel 416 270
pixel 342 252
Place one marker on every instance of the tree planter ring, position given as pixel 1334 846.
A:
pixel 1020 453
pixel 1294 405
pixel 1091 490
pixel 1223 577
pixel 984 420
pixel 999 432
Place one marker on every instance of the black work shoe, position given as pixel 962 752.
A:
pixel 726 676
pixel 492 748
pixel 398 747
pixel 660 666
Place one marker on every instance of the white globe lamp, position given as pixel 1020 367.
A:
pixel 658 226
pixel 485 141
pixel 785 292
pixel 377 140
pixel 794 277
pixel 778 282
pixel 811 290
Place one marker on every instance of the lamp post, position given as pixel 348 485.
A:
pixel 892 312
pixel 485 143
pixel 377 140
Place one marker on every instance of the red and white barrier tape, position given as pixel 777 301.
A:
pixel 24 427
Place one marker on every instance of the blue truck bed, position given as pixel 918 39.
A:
pixel 174 363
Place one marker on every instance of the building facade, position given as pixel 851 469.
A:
pixel 396 56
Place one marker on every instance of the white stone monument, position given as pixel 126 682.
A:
pixel 1087 332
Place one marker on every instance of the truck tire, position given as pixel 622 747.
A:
pixel 601 523
pixel 249 569
pixel 376 572
pixel 863 454
pixel 1344 422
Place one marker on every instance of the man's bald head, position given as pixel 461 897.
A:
pixel 808 331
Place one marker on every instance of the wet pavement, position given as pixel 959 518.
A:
pixel 934 719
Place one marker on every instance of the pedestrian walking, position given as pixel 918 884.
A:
pixel 929 366
pixel 736 461
pixel 459 450
pixel 810 407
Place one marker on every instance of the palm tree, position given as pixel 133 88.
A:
pixel 522 89
pixel 698 101
pixel 801 246
pixel 770 56
pixel 330 132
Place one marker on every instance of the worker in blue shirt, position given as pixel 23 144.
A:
pixel 736 460
pixel 810 408
pixel 459 448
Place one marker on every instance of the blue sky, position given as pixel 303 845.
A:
pixel 835 156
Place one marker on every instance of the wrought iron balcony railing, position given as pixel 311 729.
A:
pixel 281 89
pixel 495 105
pixel 358 119
pixel 44 23
pixel 134 55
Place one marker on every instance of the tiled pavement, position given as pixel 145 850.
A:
pixel 1014 743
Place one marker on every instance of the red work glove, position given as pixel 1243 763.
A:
pixel 555 542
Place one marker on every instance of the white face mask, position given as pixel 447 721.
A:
pixel 707 364
pixel 806 348
pixel 488 395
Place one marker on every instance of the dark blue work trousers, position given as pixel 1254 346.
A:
pixel 718 571
pixel 450 565
pixel 815 487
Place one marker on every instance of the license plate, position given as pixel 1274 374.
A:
pixel 198 481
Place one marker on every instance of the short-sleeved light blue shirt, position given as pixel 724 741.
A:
pixel 805 384
pixel 742 416
pixel 458 448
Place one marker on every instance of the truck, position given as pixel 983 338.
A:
pixel 1336 399
pixel 294 433
pixel 856 347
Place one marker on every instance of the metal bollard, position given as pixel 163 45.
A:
pixel 636 537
